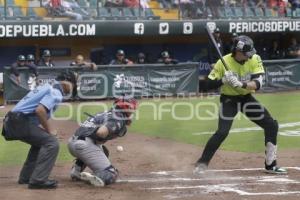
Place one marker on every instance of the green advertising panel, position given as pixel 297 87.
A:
pixel 114 81
pixel 283 74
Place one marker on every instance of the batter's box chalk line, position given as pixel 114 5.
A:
pixel 179 186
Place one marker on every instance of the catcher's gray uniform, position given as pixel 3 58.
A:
pixel 88 148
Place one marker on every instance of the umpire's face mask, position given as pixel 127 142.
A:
pixel 65 87
pixel 57 85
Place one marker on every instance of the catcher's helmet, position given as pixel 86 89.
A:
pixel 125 103
pixel 21 58
pixel 245 45
pixel 30 57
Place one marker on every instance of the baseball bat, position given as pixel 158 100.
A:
pixel 213 40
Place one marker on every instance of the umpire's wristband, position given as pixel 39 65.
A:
pixel 244 85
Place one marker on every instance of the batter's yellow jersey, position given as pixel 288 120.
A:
pixel 250 67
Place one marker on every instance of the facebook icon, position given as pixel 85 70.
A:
pixel 139 28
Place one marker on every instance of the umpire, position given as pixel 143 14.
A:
pixel 23 123
pixel 243 77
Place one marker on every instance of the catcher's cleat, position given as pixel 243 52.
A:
pixel 75 173
pixel 276 170
pixel 92 179
pixel 200 168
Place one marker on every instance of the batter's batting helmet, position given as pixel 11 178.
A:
pixel 245 45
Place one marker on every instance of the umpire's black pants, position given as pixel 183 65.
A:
pixel 44 147
pixel 230 106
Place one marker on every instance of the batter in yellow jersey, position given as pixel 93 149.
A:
pixel 243 77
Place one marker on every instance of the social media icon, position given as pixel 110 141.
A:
pixel 211 25
pixel 187 28
pixel 139 28
pixel 163 28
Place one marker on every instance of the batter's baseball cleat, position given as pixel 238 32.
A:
pixel 92 179
pixel 276 170
pixel 200 168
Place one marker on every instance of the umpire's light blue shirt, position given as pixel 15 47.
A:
pixel 46 95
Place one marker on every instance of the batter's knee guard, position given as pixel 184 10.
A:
pixel 271 129
pixel 109 175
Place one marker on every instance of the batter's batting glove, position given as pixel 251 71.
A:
pixel 227 76
pixel 234 82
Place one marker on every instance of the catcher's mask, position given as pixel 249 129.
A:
pixel 126 105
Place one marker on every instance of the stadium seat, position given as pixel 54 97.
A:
pixel 31 14
pixel 137 12
pixel 249 13
pixel 259 13
pixel 270 13
pixel 229 14
pixel 103 13
pixel 10 3
pixel 82 3
pixel 222 12
pixel 2 13
pixel 288 12
pixel 149 14
pixel 298 12
pixel 93 3
pixel 115 13
pixel 127 13
pixel 82 13
pixel 239 13
pixel 15 13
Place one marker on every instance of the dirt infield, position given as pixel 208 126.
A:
pixel 155 168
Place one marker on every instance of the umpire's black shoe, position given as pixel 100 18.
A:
pixel 22 182
pixel 49 184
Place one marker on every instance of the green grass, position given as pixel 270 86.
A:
pixel 15 152
pixel 283 106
